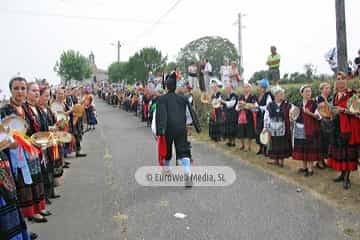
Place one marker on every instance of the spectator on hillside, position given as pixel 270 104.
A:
pixel 273 62
pixel 150 81
pixel 193 76
pixel 331 58
pixel 235 77
pixel 207 74
pixel 225 72
pixel 201 75
pixel 357 65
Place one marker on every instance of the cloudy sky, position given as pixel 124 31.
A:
pixel 34 33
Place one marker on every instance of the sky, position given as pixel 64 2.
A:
pixel 34 33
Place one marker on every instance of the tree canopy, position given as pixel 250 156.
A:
pixel 216 49
pixel 147 59
pixel 73 66
pixel 117 71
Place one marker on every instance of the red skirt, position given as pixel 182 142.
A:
pixel 307 149
pixel 355 130
pixel 343 158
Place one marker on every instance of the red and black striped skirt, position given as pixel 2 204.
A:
pixel 307 149
pixel 343 158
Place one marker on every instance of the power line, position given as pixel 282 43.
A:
pixel 87 18
pixel 158 21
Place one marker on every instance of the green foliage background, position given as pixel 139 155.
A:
pixel 73 66
pixel 214 48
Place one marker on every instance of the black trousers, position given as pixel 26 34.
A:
pixel 182 146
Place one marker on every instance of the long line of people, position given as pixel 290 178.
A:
pixel 321 131
pixel 29 173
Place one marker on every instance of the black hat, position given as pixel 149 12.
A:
pixel 171 82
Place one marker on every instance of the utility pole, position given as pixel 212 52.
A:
pixel 118 46
pixel 341 42
pixel 118 49
pixel 240 46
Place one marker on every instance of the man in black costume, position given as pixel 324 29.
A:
pixel 171 122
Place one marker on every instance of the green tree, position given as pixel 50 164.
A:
pixel 257 76
pixel 139 65
pixel 73 66
pixel 170 66
pixel 216 49
pixel 117 71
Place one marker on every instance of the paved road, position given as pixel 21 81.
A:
pixel 101 199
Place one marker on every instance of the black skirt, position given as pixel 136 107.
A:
pixel 246 131
pixel 280 147
pixel 216 130
pixel 230 130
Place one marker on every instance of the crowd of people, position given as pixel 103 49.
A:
pixel 321 131
pixel 40 126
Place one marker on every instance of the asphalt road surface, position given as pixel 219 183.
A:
pixel 101 199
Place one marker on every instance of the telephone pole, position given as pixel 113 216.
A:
pixel 341 42
pixel 240 46
pixel 118 47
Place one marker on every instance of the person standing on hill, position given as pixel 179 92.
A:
pixel 273 62
pixel 207 74
pixel 357 65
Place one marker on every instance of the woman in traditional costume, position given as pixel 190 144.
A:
pixel 75 125
pixel 231 116
pixel 277 123
pixel 247 107
pixel 12 224
pixel 63 125
pixel 145 107
pixel 53 153
pixel 264 99
pixel 323 101
pixel 90 110
pixel 216 120
pixel 38 167
pixel 307 146
pixel 23 158
pixel 343 155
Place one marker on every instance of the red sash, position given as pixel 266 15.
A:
pixel 162 150
pixel 242 117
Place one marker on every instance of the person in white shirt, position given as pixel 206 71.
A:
pixel 225 72
pixel 331 58
pixel 207 74
pixel 192 76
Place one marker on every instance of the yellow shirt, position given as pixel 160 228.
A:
pixel 272 58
